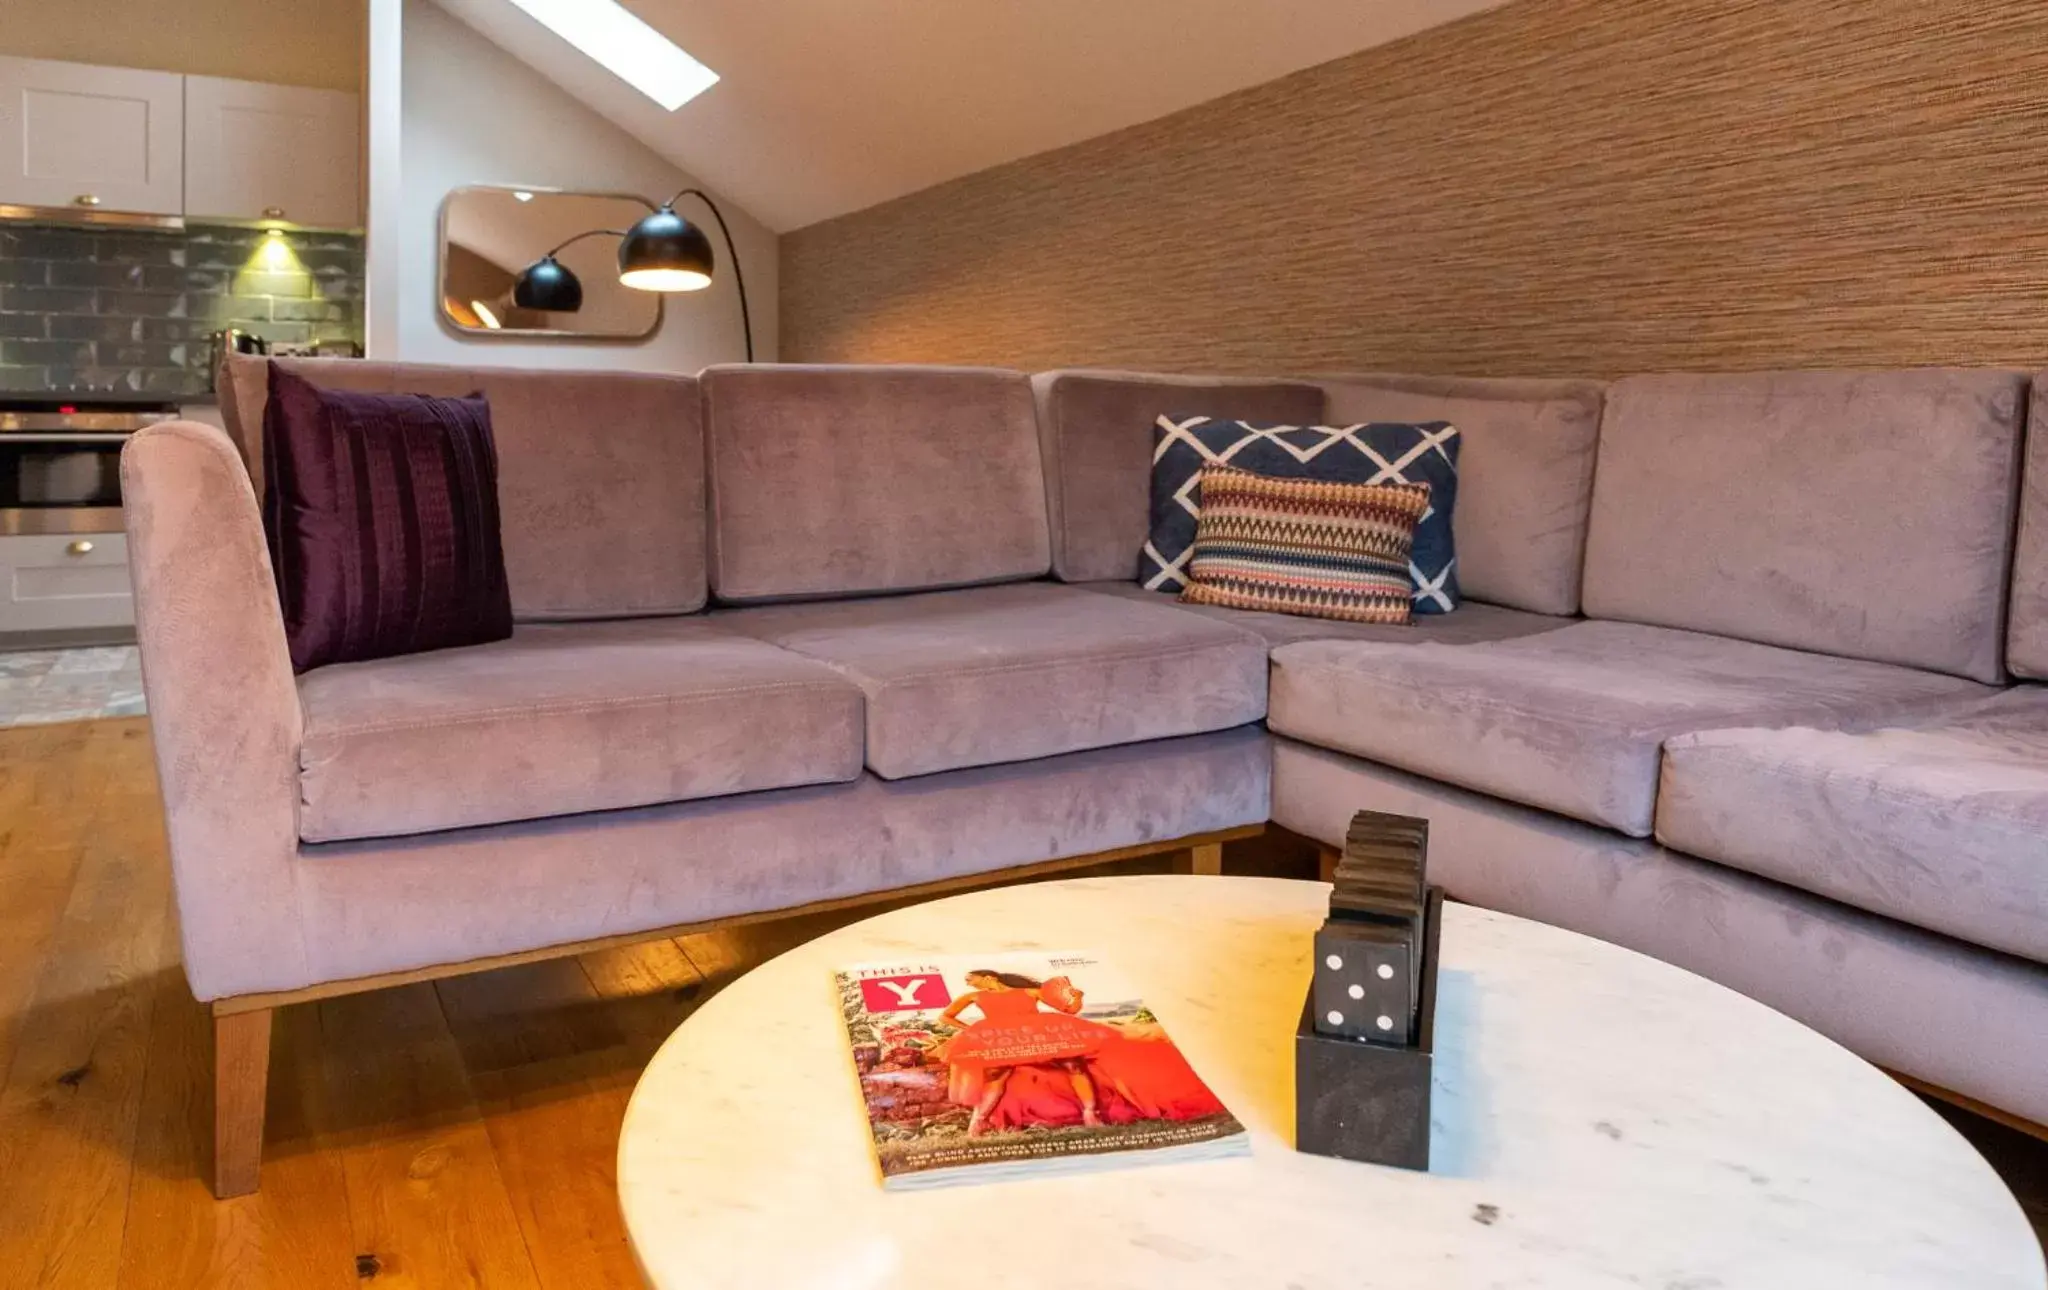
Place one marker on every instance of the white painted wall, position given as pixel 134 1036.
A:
pixel 472 114
pixel 383 176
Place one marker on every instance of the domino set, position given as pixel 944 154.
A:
pixel 1368 974
pixel 1362 1053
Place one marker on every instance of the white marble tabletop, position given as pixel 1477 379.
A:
pixel 1600 1119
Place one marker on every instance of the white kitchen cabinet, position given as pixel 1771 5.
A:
pixel 282 152
pixel 110 138
pixel 64 582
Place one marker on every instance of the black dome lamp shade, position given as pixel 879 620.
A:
pixel 662 252
pixel 548 284
pixel 665 252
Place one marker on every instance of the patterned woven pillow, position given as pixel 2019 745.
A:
pixel 1304 546
pixel 1372 453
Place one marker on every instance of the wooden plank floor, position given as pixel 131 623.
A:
pixel 453 1134
pixel 448 1135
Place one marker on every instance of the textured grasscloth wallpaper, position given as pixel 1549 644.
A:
pixel 1555 187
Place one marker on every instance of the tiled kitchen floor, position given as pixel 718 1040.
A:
pixel 43 686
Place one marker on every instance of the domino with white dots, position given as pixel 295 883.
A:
pixel 1362 983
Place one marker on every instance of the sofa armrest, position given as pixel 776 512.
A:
pixel 223 706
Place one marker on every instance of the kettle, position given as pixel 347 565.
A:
pixel 233 340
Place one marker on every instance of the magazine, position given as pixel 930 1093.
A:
pixel 1013 1065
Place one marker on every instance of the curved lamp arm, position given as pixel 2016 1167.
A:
pixel 739 277
pixel 591 232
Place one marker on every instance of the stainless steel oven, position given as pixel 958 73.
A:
pixel 60 460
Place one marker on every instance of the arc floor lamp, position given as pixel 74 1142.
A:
pixel 661 252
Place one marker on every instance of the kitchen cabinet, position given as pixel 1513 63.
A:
pixel 108 138
pixel 272 152
pixel 64 582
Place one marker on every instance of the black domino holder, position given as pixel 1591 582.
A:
pixel 1357 1099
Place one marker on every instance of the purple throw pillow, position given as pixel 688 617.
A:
pixel 382 516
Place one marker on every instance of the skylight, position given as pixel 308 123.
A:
pixel 626 47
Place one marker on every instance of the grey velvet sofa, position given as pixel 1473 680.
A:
pixel 1739 694
pixel 798 635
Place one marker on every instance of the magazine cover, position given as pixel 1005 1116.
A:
pixel 1020 1065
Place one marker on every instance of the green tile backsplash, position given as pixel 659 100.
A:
pixel 132 310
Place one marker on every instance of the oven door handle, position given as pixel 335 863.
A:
pixel 83 439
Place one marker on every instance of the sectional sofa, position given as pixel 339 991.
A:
pixel 1731 686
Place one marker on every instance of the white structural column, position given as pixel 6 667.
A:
pixel 384 190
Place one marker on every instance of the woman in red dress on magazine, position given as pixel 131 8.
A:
pixel 1019 1065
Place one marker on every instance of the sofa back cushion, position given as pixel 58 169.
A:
pixel 600 475
pixel 833 481
pixel 1525 474
pixel 1096 431
pixel 2027 647
pixel 1866 514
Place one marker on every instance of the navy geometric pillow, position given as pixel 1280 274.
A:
pixel 1373 453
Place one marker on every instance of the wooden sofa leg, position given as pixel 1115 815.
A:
pixel 1206 858
pixel 241 1070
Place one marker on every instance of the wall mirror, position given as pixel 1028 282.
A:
pixel 489 234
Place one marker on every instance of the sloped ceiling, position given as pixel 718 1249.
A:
pixel 830 106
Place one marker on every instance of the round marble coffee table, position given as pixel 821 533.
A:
pixel 1601 1119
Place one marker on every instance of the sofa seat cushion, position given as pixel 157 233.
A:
pixel 1941 821
pixel 1472 623
pixel 986 675
pixel 393 905
pixel 1570 720
pixel 564 718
